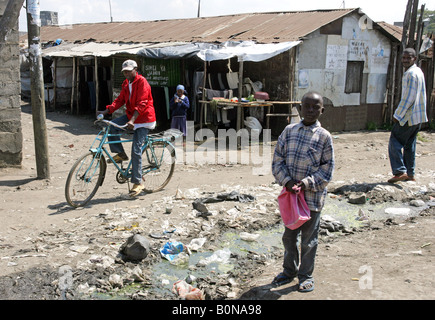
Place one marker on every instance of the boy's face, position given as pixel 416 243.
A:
pixel 312 108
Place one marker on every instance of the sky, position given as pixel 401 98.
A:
pixel 91 11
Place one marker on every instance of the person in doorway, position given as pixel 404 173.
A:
pixel 179 105
pixel 140 116
pixel 304 156
pixel 408 117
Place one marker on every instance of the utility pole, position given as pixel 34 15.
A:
pixel 110 7
pixel 37 89
pixel 199 8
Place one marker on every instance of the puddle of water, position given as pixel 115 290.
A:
pixel 268 241
pixel 347 213
pixel 165 273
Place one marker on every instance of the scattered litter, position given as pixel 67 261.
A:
pixel 115 281
pixel 249 236
pixel 418 252
pixel 171 250
pixel 362 216
pixel 230 196
pixel 398 211
pixel 190 279
pixel 79 249
pixel 417 203
pixel 220 256
pixel 197 243
pixel 187 291
pixel 179 195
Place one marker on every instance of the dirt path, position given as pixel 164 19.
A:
pixel 40 233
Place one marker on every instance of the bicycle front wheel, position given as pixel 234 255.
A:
pixel 158 163
pixel 84 179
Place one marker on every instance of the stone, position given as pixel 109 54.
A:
pixel 135 248
pixel 357 198
pixel 417 203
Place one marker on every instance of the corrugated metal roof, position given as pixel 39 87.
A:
pixel 395 31
pixel 259 27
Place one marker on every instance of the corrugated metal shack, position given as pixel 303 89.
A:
pixel 340 53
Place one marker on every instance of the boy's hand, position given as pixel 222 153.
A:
pixel 294 183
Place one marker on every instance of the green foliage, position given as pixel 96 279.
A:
pixel 371 126
pixel 430 27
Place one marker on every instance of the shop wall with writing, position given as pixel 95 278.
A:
pixel 162 73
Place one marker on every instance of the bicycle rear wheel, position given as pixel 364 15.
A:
pixel 84 179
pixel 158 163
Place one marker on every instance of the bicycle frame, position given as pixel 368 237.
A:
pixel 88 172
pixel 103 136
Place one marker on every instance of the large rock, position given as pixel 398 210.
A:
pixel 135 248
pixel 357 198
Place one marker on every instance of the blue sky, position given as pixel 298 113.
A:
pixel 84 11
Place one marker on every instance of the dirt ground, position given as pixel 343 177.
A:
pixel 42 239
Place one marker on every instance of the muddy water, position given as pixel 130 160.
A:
pixel 268 241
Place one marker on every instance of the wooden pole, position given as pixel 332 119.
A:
pixel 406 20
pixel 54 81
pixel 37 89
pixel 202 105
pixel 77 84
pixel 239 108
pixel 419 31
pixel 73 84
pixel 399 66
pixel 97 85
pixel 411 36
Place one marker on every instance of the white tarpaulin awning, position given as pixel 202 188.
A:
pixel 245 51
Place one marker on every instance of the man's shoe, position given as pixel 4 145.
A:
pixel 119 158
pixel 399 177
pixel 136 190
pixel 410 178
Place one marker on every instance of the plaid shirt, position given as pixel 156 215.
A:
pixel 412 106
pixel 306 154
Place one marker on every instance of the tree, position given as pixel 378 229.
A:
pixel 430 27
pixel 9 19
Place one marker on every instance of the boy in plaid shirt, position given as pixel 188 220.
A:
pixel 304 156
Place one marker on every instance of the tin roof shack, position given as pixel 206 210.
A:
pixel 348 61
pixel 343 55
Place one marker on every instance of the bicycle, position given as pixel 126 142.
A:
pixel 88 172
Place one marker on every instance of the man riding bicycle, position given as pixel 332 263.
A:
pixel 140 116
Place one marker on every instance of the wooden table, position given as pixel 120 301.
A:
pixel 241 105
pixel 238 105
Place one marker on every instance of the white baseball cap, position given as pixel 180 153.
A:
pixel 128 65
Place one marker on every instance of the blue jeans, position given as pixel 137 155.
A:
pixel 309 233
pixel 403 137
pixel 139 138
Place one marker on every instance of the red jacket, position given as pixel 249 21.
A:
pixel 141 100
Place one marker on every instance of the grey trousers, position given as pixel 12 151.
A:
pixel 308 241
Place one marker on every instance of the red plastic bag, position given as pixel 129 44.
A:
pixel 294 210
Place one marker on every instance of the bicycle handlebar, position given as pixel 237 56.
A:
pixel 124 127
